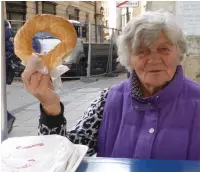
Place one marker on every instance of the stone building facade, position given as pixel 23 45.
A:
pixel 191 62
pixel 17 12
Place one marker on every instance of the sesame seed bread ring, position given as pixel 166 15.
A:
pixel 57 26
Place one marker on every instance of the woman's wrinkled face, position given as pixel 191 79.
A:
pixel 155 66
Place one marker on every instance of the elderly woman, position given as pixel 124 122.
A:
pixel 155 114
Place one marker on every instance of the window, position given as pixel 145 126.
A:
pixel 84 31
pixel 129 16
pixel 77 14
pixel 73 13
pixel 48 7
pixel 78 30
pixel 106 23
pixel 16 13
pixel 87 18
pixel 123 20
pixel 81 30
pixel 90 2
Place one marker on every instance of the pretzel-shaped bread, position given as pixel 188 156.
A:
pixel 57 26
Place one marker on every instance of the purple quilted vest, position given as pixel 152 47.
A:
pixel 165 126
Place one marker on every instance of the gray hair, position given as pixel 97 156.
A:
pixel 147 28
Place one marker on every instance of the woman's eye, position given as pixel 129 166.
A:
pixel 165 50
pixel 142 52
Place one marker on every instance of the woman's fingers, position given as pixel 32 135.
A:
pixel 35 80
pixel 39 85
pixel 43 85
pixel 34 64
pixel 33 74
pixel 26 76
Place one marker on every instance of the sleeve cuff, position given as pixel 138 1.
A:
pixel 52 121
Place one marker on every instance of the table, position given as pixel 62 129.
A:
pixel 130 165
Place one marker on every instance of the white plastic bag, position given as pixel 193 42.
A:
pixel 52 153
pixel 56 76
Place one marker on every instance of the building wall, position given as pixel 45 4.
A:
pixel 31 9
pixel 86 8
pixel 165 5
pixel 118 18
pixel 61 9
pixel 137 11
pixel 191 64
pixel 106 10
pixel 4 9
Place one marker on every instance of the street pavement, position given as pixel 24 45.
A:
pixel 76 96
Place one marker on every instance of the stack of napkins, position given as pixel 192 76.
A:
pixel 52 153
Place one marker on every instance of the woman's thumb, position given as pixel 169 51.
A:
pixel 36 63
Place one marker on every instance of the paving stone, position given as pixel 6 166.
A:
pixel 87 97
pixel 88 90
pixel 72 105
pixel 19 98
pixel 72 96
pixel 35 106
pixel 33 133
pixel 84 106
pixel 18 132
pixel 32 122
pixel 26 115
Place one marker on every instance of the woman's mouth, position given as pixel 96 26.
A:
pixel 155 71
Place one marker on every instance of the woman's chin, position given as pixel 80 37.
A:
pixel 156 81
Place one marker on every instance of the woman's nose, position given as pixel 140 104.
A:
pixel 154 58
